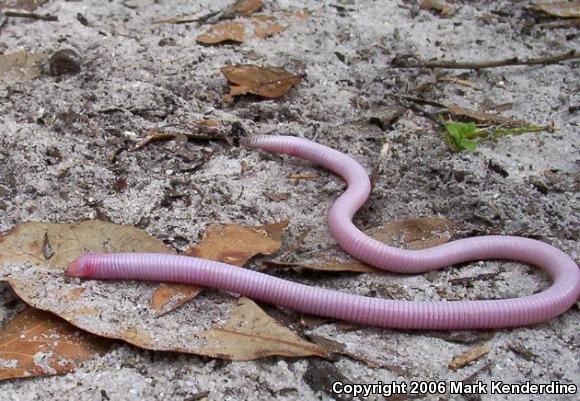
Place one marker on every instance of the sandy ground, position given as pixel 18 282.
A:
pixel 129 84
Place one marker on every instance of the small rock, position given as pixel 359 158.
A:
pixel 540 186
pixel 65 61
pixel 167 42
pixel 81 18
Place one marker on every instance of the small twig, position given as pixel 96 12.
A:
pixel 471 378
pixel 185 20
pixel 570 55
pixel 18 14
pixel 164 136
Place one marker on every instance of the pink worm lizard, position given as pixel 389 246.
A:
pixel 481 314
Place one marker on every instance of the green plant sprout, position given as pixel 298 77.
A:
pixel 466 136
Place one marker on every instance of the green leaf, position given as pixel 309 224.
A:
pixel 458 135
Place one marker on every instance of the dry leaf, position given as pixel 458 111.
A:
pixel 236 244
pixel 440 6
pixel 27 243
pixel 250 333
pixel 170 296
pixel 37 343
pixel 19 66
pixel 417 233
pixel 227 31
pixel 270 82
pixel 266 26
pixel 244 7
pixel 469 356
pixel 566 9
pixel 263 26
pixel 228 243
pixel 120 308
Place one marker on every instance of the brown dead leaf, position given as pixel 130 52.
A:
pixel 27 243
pixel 37 343
pixel 266 26
pixel 417 233
pixel 170 296
pixel 469 356
pixel 118 308
pixel 244 7
pixel 227 31
pixel 228 243
pixel 235 244
pixel 269 82
pixel 263 26
pixel 250 333
pixel 483 118
pixel 442 7
pixel 565 9
pixel 20 66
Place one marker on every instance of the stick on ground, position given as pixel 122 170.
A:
pixel 18 14
pixel 570 55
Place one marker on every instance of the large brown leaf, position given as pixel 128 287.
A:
pixel 263 26
pixel 236 244
pixel 250 333
pixel 417 233
pixel 228 243
pixel 37 343
pixel 269 82
pixel 121 309
pixel 226 31
pixel 244 7
pixel 54 246
pixel 266 26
